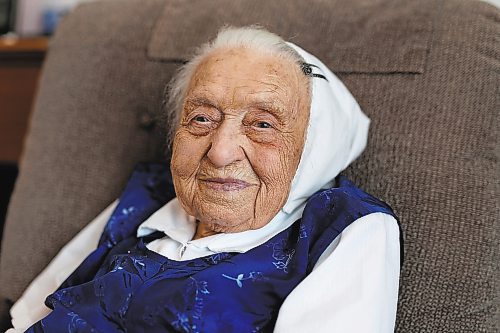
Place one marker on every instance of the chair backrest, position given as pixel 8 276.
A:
pixel 425 72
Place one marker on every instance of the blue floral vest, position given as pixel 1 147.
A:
pixel 124 287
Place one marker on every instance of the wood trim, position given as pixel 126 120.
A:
pixel 20 65
pixel 19 45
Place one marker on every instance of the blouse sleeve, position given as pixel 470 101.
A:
pixel 30 308
pixel 354 285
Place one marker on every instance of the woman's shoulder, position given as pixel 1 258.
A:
pixel 346 199
pixel 331 211
pixel 149 187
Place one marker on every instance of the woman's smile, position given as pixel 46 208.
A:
pixel 225 184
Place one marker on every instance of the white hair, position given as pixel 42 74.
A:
pixel 252 37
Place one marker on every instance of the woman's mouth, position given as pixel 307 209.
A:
pixel 226 184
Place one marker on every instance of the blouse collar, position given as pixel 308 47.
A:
pixel 178 226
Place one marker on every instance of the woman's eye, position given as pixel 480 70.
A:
pixel 201 119
pixel 263 124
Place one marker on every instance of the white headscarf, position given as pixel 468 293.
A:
pixel 336 136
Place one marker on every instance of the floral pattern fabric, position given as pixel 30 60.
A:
pixel 124 287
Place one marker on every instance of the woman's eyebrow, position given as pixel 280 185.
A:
pixel 200 100
pixel 273 107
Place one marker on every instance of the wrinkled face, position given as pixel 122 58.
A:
pixel 240 139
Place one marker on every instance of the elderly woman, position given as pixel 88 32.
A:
pixel 259 235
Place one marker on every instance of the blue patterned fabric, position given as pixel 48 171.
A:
pixel 124 287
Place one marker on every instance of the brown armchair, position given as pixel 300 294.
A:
pixel 425 72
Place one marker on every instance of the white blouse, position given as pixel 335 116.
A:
pixel 352 288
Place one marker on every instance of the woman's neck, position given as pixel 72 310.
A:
pixel 203 231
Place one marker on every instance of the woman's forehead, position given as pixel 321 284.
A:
pixel 247 75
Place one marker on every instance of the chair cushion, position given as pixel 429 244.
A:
pixel 344 37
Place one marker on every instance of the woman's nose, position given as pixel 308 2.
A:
pixel 225 146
